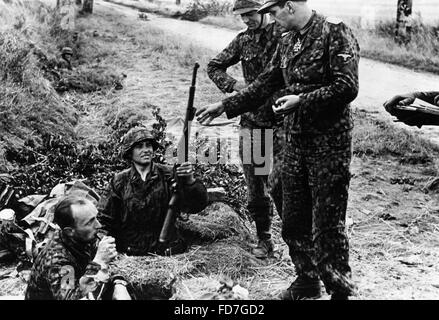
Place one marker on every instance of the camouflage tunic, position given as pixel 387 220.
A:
pixel 133 210
pixel 323 71
pixel 58 268
pixel 254 49
pixel 320 65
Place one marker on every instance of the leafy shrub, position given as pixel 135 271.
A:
pixel 199 9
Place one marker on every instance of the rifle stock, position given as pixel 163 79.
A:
pixel 174 202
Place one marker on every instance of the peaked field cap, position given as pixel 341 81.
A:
pixel 244 6
pixel 268 4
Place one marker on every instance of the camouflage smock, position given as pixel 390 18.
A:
pixel 61 261
pixel 322 71
pixel 133 210
pixel 254 49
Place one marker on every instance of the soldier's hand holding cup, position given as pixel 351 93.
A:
pixel 106 251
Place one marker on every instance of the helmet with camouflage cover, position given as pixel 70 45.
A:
pixel 245 6
pixel 135 135
pixel 67 50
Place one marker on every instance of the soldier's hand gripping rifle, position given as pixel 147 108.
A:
pixel 183 156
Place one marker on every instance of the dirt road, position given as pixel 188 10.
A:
pixel 378 81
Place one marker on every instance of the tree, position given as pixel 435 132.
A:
pixel 87 6
pixel 403 21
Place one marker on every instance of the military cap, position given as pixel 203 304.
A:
pixel 244 6
pixel 268 4
pixel 67 50
pixel 135 135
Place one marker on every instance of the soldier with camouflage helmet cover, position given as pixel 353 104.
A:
pixel 135 204
pixel 66 55
pixel 253 47
pixel 316 68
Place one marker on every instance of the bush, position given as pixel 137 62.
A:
pixel 199 9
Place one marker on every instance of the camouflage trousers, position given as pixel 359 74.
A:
pixel 315 181
pixel 259 203
pixel 274 179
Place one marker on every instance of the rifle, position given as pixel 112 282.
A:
pixel 174 202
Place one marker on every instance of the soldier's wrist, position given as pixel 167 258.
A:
pixel 188 181
pixel 100 262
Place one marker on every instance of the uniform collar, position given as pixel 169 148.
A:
pixel 152 174
pixel 308 25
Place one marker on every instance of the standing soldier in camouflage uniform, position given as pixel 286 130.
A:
pixel 254 48
pixel 135 204
pixel 316 65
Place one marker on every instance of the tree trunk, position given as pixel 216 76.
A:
pixel 403 21
pixel 177 2
pixel 87 7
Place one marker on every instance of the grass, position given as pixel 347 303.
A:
pixel 229 21
pixel 420 54
pixel 376 138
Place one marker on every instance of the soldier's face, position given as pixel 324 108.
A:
pixel 282 16
pixel 86 222
pixel 143 153
pixel 252 19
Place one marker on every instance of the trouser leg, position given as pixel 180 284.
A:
pixel 259 203
pixel 275 177
pixel 328 161
pixel 297 208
